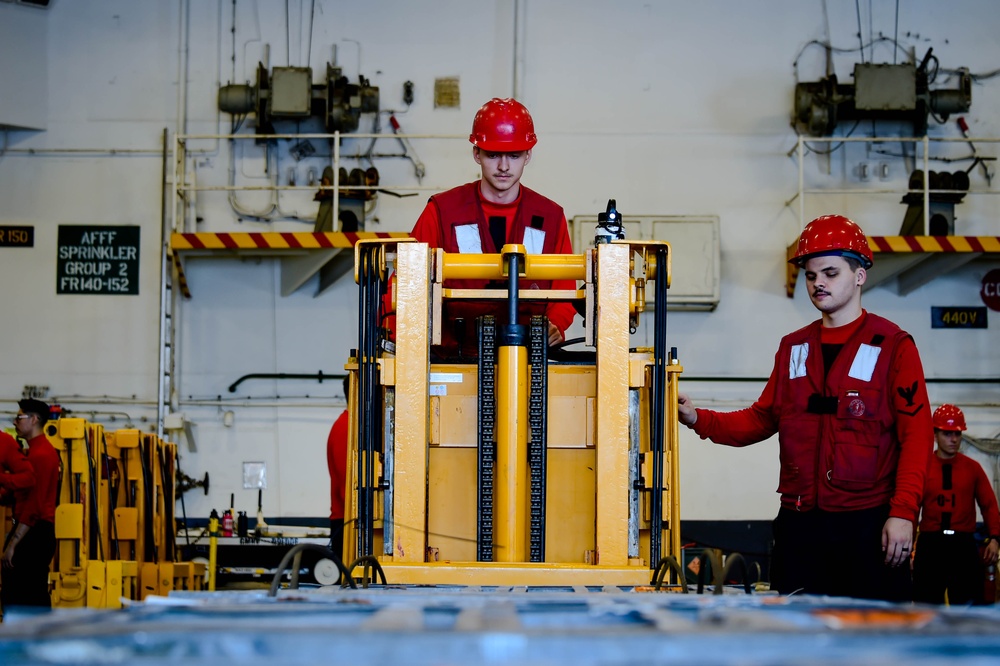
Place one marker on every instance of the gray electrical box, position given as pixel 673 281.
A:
pixel 291 91
pixel 695 253
pixel 885 87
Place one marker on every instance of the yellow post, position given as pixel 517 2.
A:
pixel 673 444
pixel 612 403
pixel 413 271
pixel 510 511
pixel 72 526
pixel 213 547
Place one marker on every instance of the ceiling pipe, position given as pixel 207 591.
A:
pixel 518 64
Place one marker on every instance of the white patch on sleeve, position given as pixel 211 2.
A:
pixel 468 239
pixel 797 362
pixel 864 363
pixel 534 240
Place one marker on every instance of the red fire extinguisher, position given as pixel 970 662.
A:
pixel 227 523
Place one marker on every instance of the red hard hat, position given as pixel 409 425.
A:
pixel 503 125
pixel 833 234
pixel 948 417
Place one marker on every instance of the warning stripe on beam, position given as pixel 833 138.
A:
pixel 275 240
pixel 906 244
pixel 934 243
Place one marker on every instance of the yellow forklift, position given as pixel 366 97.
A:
pixel 525 466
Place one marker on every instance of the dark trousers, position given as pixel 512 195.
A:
pixel 27 583
pixel 337 537
pixel 835 554
pixel 947 562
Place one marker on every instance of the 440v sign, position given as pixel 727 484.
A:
pixel 958 317
pixel 98 260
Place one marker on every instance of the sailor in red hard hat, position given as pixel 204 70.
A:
pixel 848 403
pixel 497 209
pixel 948 558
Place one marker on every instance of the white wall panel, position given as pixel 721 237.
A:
pixel 672 108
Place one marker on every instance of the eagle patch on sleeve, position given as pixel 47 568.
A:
pixel 908 394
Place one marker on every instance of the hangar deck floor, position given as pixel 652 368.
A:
pixel 467 625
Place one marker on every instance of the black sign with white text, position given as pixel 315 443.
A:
pixel 98 260
pixel 955 317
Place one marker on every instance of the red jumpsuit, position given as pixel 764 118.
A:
pixel 459 220
pixel 16 473
pixel 27 583
pixel 947 556
pixel 336 463
pixel 854 436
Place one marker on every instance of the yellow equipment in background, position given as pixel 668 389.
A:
pixel 516 468
pixel 114 523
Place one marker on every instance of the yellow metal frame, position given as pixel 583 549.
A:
pixel 99 565
pixel 433 476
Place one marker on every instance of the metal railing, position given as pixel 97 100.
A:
pixel 925 160
pixel 182 190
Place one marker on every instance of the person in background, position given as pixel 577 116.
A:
pixel 336 463
pixel 947 558
pixel 16 474
pixel 848 402
pixel 16 478
pixel 482 216
pixel 29 549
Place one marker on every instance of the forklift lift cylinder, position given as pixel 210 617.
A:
pixel 510 525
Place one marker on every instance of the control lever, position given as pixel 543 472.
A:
pixel 408 151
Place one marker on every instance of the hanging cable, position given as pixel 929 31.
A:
pixel 832 149
pixel 371 569
pixel 657 437
pixel 857 6
pixel 830 49
pixel 871 48
pixel 295 553
pixel 312 24
pixel 895 32
pixel 665 566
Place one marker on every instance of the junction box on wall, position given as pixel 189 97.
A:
pixel 879 92
pixel 288 94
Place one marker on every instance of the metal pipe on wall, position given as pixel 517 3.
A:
pixel 518 65
pixel 183 39
pixel 165 306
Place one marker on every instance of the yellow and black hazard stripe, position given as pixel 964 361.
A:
pixel 907 244
pixel 979 244
pixel 260 243
pixel 276 240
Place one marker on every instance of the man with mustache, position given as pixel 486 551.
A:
pixel 848 402
pixel 482 216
